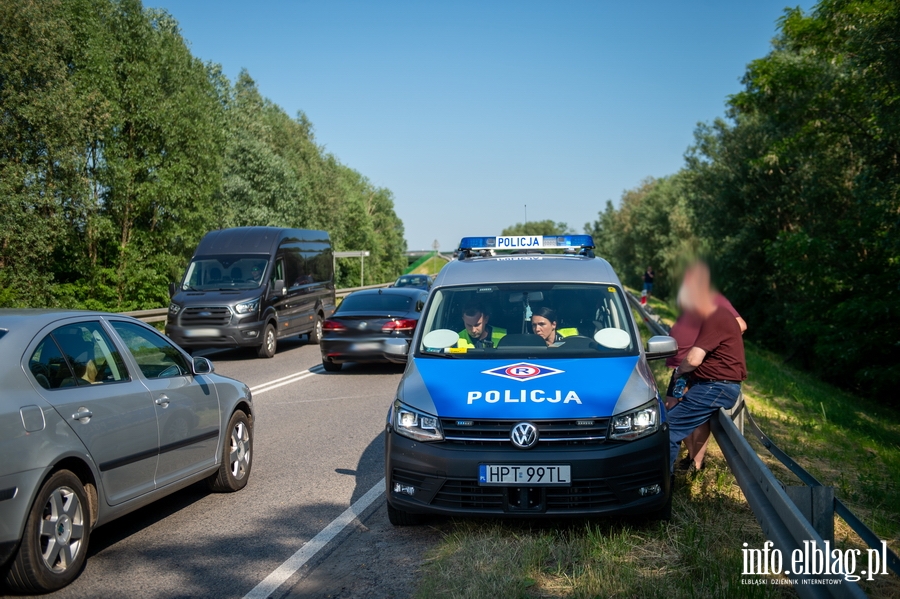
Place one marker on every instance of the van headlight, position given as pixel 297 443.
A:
pixel 635 424
pixel 415 424
pixel 247 307
pixel 174 309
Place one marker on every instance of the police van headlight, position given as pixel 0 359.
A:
pixel 415 424
pixel 174 309
pixel 247 307
pixel 636 423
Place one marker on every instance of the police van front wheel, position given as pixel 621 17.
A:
pixel 401 518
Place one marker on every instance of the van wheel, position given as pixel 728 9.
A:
pixel 401 518
pixel 315 335
pixel 237 453
pixel 269 344
pixel 54 544
pixel 330 366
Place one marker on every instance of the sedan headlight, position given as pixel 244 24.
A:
pixel 415 424
pixel 174 309
pixel 247 307
pixel 636 423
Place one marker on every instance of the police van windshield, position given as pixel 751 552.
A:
pixel 528 320
pixel 218 273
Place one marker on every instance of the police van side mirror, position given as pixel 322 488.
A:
pixel 660 346
pixel 172 288
pixel 396 350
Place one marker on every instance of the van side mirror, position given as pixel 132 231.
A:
pixel 277 288
pixel 202 365
pixel 396 350
pixel 661 346
pixel 173 287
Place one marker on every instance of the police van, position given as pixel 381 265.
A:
pixel 527 391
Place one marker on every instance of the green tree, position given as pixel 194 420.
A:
pixel 537 227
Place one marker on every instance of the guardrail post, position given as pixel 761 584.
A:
pixel 817 505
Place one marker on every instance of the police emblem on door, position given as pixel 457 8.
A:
pixel 524 435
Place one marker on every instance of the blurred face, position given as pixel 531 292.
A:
pixel 476 326
pixel 545 328
pixel 255 273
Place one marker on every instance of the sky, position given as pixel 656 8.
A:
pixel 470 111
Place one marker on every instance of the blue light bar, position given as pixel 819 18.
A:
pixel 526 242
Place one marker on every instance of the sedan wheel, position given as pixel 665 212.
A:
pixel 56 536
pixel 234 471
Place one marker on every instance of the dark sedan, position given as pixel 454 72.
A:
pixel 367 322
pixel 415 281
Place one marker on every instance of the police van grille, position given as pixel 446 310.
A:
pixel 467 494
pixel 551 432
pixel 590 493
pixel 212 315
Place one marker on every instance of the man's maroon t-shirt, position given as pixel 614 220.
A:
pixel 720 336
pixel 687 327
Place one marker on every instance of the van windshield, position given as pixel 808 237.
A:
pixel 218 273
pixel 536 320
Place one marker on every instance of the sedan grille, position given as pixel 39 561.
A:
pixel 551 432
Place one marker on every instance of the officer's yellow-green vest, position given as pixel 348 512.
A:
pixel 496 335
pixel 567 332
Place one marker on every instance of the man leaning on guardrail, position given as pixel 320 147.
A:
pixel 713 368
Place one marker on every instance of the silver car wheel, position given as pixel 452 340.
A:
pixel 239 456
pixel 62 529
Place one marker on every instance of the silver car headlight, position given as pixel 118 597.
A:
pixel 635 424
pixel 247 307
pixel 415 424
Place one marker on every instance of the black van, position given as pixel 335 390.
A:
pixel 250 286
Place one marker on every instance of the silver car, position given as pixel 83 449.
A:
pixel 101 415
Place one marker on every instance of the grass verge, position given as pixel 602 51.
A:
pixel 848 442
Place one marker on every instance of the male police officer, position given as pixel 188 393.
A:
pixel 478 333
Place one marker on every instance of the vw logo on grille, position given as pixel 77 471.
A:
pixel 524 435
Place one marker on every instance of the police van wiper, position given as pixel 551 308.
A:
pixel 438 353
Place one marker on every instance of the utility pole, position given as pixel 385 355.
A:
pixel 526 214
pixel 435 246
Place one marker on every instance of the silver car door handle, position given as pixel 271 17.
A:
pixel 82 414
pixel 162 401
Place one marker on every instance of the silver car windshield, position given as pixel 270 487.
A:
pixel 527 321
pixel 217 273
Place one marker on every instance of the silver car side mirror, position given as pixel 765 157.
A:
pixel 202 365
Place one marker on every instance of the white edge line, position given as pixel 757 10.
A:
pixel 284 378
pixel 274 580
pixel 283 381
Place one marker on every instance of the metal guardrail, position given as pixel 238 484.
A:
pixel 160 314
pixel 773 504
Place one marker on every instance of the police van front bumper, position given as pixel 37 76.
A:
pixel 608 478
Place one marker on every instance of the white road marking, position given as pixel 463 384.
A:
pixel 274 580
pixel 286 380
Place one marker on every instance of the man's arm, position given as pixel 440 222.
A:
pixel 743 324
pixel 691 361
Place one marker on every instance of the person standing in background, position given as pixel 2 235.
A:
pixel 649 275
pixel 685 331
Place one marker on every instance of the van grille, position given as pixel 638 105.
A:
pixel 467 494
pixel 555 432
pixel 211 316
